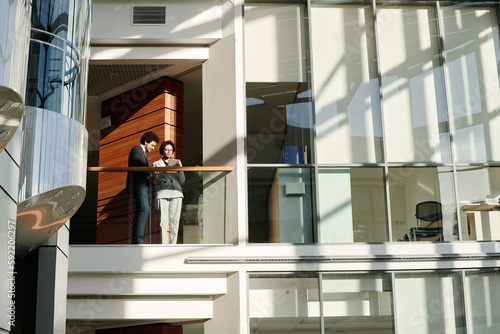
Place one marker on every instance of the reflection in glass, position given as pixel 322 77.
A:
pixel 471 49
pixel 347 102
pixel 352 205
pixel 357 302
pixel 279 123
pixel 483 289
pixel 275 42
pixel 284 304
pixel 479 196
pixel 422 204
pixel 432 302
pixel 280 205
pixel 415 120
pixel 279 110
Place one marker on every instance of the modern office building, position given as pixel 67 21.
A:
pixel 341 158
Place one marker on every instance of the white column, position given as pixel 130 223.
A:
pixel 52 284
pixel 230 310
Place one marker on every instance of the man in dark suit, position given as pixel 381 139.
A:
pixel 139 183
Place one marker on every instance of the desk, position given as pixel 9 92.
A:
pixel 481 207
pixel 483 221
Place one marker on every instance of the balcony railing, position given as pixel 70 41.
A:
pixel 108 212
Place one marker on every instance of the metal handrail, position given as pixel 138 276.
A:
pixel 226 169
pixel 66 47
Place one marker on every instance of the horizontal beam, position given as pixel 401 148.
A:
pixel 226 169
pixel 106 307
pixel 125 284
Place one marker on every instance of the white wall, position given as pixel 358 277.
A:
pixel 186 20
pixel 230 315
pixel 219 127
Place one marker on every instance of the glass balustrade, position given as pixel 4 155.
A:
pixel 107 214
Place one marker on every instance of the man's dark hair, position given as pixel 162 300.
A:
pixel 148 137
pixel 164 144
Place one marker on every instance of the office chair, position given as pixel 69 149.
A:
pixel 431 212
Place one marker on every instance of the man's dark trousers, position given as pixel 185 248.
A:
pixel 141 215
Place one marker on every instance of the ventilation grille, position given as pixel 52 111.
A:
pixel 148 15
pixel 329 259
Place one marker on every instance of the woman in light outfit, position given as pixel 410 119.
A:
pixel 169 194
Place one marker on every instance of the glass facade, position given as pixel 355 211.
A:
pixel 390 106
pixel 360 302
pixel 284 303
pixel 284 198
pixel 377 302
pixel 278 91
pixel 59 53
pixel 433 302
pixel 352 205
pixel 483 292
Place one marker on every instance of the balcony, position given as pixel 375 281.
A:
pixel 108 212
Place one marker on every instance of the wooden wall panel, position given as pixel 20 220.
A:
pixel 139 94
pixel 157 107
pixel 135 111
pixel 137 125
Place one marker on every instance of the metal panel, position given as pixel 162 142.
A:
pixel 14 43
pixel 9 176
pixel 14 37
pixel 52 177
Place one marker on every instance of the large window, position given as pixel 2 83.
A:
pixel 395 122
pixel 357 303
pixel 471 48
pixel 280 205
pixel 379 302
pixel 284 303
pixel 347 104
pixel 432 302
pixel 479 194
pixel 422 204
pixel 352 206
pixel 483 292
pixel 279 110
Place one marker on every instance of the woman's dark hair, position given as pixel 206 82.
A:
pixel 164 144
pixel 148 137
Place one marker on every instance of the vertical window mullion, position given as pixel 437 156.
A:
pixel 467 303
pixel 314 176
pixel 446 100
pixel 321 306
pixel 394 294
pixel 384 150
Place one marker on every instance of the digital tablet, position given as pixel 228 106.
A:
pixel 173 162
